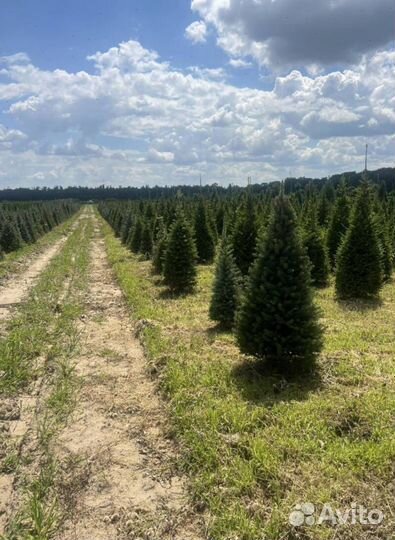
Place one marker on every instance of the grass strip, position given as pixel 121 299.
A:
pixel 46 328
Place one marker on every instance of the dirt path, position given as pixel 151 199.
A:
pixel 15 290
pixel 118 481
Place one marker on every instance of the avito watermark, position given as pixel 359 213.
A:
pixel 309 514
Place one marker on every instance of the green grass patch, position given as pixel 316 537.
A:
pixel 35 330
pixel 256 444
pixel 42 342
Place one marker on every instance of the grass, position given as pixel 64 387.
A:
pixel 255 445
pixel 41 344
pixel 35 330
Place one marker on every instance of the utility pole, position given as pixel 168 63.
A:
pixel 200 180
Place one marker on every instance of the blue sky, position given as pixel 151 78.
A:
pixel 159 92
pixel 62 34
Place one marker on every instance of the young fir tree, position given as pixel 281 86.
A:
pixel 126 227
pixel 135 236
pixel 358 261
pixel 159 251
pixel 316 251
pixel 226 288
pixel 146 241
pixel 204 238
pixel 338 225
pixel 325 202
pixel 244 236
pixel 277 320
pixel 21 222
pixel 385 244
pixel 10 238
pixel 179 267
pixel 31 226
pixel 220 219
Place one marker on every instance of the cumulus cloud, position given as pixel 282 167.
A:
pixel 208 73
pixel 159 157
pixel 10 138
pixel 280 33
pixel 176 124
pixel 196 32
pixel 239 63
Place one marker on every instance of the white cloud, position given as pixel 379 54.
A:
pixel 10 138
pixel 208 73
pixel 239 63
pixel 196 32
pixel 176 124
pixel 18 58
pixel 154 156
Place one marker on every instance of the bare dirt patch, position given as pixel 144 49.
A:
pixel 118 480
pixel 12 293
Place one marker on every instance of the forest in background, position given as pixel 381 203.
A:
pixel 384 177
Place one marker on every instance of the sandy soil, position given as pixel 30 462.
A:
pixel 17 288
pixel 118 480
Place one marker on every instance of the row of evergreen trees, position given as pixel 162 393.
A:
pixel 271 252
pixel 23 223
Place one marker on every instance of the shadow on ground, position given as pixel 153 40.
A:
pixel 260 384
pixel 360 306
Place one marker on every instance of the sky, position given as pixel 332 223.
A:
pixel 162 92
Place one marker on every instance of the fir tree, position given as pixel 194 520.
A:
pixel 146 241
pixel 220 219
pixel 244 236
pixel 225 295
pixel 277 320
pixel 325 202
pixel 316 251
pixel 358 261
pixel 10 238
pixel 385 244
pixel 159 252
pixel 23 229
pixel 126 227
pixel 338 225
pixel 204 238
pixel 180 260
pixel 31 226
pixel 135 236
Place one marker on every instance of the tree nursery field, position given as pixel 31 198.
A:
pixel 204 363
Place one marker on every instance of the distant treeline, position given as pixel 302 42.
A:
pixel 385 178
